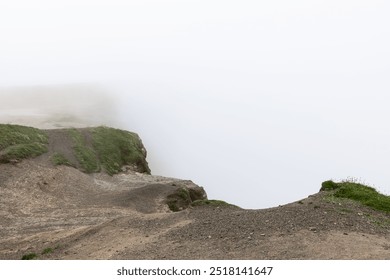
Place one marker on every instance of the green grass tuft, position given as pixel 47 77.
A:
pixel 30 256
pixel 179 200
pixel 364 194
pixel 329 185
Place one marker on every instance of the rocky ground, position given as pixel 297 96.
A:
pixel 58 212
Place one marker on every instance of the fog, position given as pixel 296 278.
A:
pixel 257 101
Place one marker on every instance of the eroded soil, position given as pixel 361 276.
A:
pixel 72 215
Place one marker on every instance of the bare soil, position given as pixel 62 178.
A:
pixel 78 216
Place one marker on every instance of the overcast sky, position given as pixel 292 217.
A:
pixel 257 101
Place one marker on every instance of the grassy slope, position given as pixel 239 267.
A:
pixel 116 148
pixel 19 142
pixel 95 148
pixel 85 154
pixel 358 192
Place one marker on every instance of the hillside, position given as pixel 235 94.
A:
pixel 87 149
pixel 88 194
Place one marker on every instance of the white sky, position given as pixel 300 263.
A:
pixel 258 101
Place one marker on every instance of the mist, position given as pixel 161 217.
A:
pixel 257 102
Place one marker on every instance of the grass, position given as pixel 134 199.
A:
pixel 116 148
pixel 30 256
pixel 364 194
pixel 329 185
pixel 95 149
pixel 108 148
pixel 20 142
pixel 33 256
pixel 179 200
pixel 84 153
pixel 60 159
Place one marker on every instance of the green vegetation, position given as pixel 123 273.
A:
pixel 210 202
pixel 359 192
pixel 116 148
pixel 95 148
pixel 33 256
pixel 183 198
pixel 109 148
pixel 84 153
pixel 20 142
pixel 329 185
pixel 60 159
pixel 30 256
pixel 179 200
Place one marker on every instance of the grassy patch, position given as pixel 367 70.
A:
pixel 60 159
pixel 329 185
pixel 94 148
pixel 179 200
pixel 84 154
pixel 20 142
pixel 116 148
pixel 361 193
pixel 30 256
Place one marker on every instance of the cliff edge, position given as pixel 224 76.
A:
pixel 87 193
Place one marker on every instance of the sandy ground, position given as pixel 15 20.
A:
pixel 80 216
pixel 62 213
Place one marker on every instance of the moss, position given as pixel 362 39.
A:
pixel 179 200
